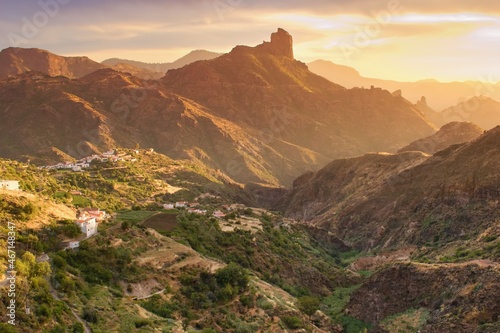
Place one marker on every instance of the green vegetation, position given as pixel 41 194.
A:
pixel 268 253
pixel 409 321
pixel 334 305
pixel 204 290
pixel 293 322
pixel 134 216
pixel 353 325
pixel 309 305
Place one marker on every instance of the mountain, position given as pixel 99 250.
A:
pixel 108 109
pixel 387 201
pixel 159 69
pixel 440 95
pixel 303 117
pixel 448 135
pixel 255 114
pixel 479 110
pixel 15 61
pixel 440 297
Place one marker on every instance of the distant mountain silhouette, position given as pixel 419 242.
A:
pixel 157 70
pixel 479 110
pixel 440 95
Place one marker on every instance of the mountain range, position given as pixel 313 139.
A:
pixel 440 95
pixel 385 212
pixel 393 200
pixel 255 114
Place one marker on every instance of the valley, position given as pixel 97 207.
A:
pixel 242 192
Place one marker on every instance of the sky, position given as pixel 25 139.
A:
pixel 405 40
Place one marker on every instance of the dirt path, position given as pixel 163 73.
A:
pixel 86 328
pixel 149 296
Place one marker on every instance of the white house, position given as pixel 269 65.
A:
pixel 88 225
pixel 12 185
pixel 180 204
pixel 73 244
pixel 168 206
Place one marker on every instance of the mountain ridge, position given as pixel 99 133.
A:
pixel 15 61
pixel 386 201
pixel 440 95
pixel 255 113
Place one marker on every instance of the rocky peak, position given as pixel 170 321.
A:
pixel 281 44
pixel 423 100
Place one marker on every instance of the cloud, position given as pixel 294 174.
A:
pixel 163 30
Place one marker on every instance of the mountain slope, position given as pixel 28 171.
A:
pixel 107 109
pixel 14 61
pixel 379 201
pixel 255 114
pixel 440 95
pixel 466 296
pixel 448 135
pixel 265 90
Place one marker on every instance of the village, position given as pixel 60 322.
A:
pixel 89 219
pixel 84 163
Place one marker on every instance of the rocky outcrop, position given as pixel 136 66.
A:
pixel 281 44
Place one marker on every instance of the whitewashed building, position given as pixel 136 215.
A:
pixel 12 185
pixel 88 225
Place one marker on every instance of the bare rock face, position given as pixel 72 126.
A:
pixel 281 44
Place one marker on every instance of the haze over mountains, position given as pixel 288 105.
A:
pixel 255 113
pixel 157 70
pixel 368 190
pixel 440 95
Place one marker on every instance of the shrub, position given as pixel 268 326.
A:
pixel 293 322
pixel 309 305
pixel 247 301
pixel 264 304
pixel 77 328
pixel 141 322
pixel 90 315
pixel 160 307
pixel 353 325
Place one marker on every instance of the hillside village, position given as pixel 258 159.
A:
pixel 84 163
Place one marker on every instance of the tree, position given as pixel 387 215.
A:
pixel 234 275
pixel 309 305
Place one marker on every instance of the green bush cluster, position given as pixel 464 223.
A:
pixel 204 289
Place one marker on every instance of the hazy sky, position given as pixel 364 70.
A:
pixel 395 39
